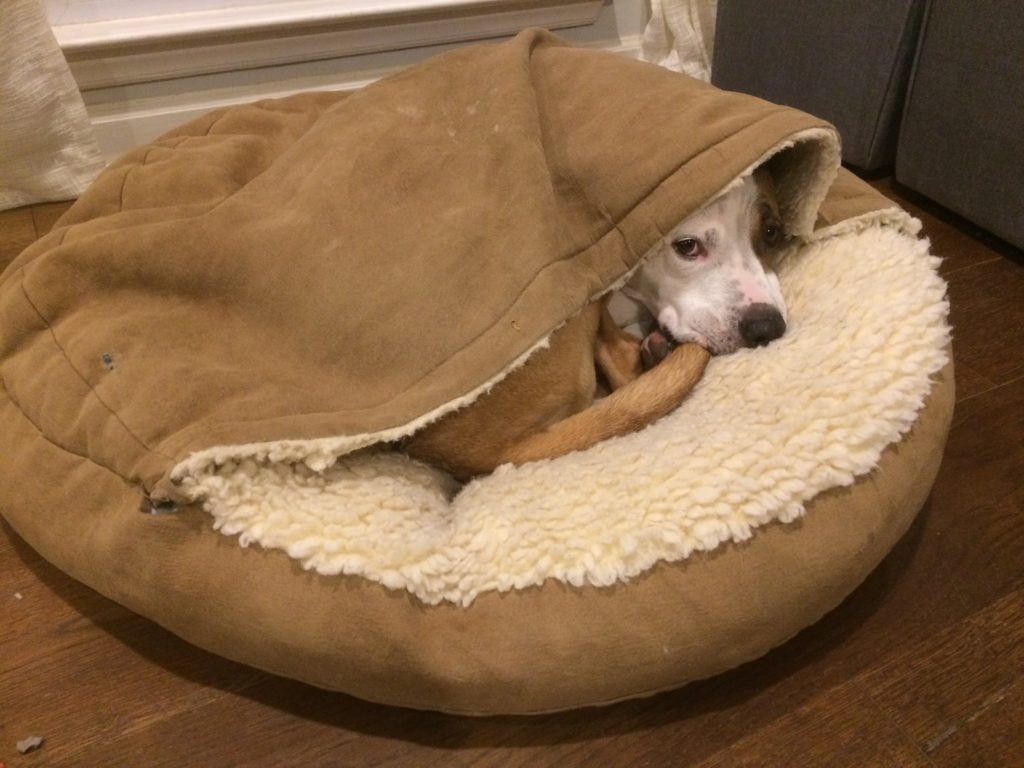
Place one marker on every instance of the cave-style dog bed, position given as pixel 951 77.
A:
pixel 206 362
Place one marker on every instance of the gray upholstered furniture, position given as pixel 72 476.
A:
pixel 962 139
pixel 847 62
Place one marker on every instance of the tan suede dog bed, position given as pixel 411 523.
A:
pixel 220 341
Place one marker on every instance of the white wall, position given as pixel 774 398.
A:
pixel 146 66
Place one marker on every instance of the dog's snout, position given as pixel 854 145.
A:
pixel 761 324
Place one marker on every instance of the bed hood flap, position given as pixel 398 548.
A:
pixel 303 277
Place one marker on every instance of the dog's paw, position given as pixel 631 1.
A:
pixel 655 347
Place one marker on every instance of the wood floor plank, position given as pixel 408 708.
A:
pixel 989 737
pixel 307 736
pixel 840 728
pixel 935 689
pixel 969 383
pixel 988 319
pixel 98 690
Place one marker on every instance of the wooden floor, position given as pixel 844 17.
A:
pixel 922 666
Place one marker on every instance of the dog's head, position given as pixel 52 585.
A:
pixel 710 281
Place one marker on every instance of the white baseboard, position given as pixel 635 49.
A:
pixel 102 54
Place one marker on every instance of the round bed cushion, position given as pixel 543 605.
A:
pixel 649 561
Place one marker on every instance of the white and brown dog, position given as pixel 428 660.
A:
pixel 707 288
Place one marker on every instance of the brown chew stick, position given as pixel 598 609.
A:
pixel 628 409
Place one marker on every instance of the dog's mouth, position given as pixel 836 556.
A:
pixel 694 337
pixel 716 344
pixel 756 325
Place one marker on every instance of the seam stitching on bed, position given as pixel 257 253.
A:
pixel 84 380
pixel 145 158
pixel 238 188
pixel 54 443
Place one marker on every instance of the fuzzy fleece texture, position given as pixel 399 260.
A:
pixel 764 432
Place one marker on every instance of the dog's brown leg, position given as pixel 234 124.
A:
pixel 617 353
pixel 632 406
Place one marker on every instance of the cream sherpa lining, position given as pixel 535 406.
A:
pixel 764 431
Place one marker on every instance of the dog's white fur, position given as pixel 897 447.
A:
pixel 704 295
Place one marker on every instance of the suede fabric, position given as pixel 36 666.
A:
pixel 350 266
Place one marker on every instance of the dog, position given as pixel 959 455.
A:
pixel 706 288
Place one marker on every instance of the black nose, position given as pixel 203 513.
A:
pixel 760 324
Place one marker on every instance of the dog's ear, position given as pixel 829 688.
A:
pixel 767 232
pixel 766 187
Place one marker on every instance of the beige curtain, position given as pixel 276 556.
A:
pixel 47 147
pixel 681 36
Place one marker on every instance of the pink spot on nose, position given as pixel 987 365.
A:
pixel 754 290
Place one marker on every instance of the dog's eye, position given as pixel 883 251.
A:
pixel 688 248
pixel 772 234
